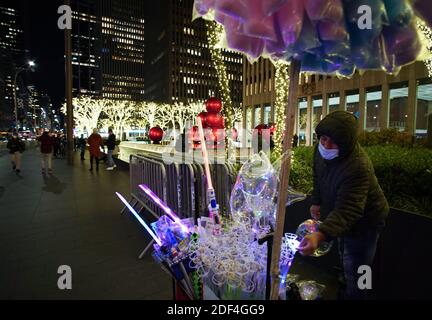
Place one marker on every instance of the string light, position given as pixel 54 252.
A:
pixel 214 33
pixel 427 33
pixel 281 87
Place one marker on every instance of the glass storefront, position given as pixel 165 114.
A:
pixel 373 102
pixel 424 106
pixel 257 116
pixel 267 114
pixel 317 104
pixel 333 102
pixel 398 110
pixel 302 120
pixel 353 102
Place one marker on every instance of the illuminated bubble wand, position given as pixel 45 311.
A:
pixel 177 258
pixel 132 210
pixel 211 195
pixel 164 207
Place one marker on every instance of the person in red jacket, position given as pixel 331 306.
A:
pixel 46 148
pixel 95 142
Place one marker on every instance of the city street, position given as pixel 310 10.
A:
pixel 71 218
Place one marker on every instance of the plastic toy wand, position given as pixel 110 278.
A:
pixel 211 195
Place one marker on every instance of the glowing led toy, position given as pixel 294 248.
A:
pixel 311 226
pixel 163 206
pixel 213 207
pixel 255 191
pixel 156 238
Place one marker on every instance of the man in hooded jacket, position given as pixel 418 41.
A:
pixel 347 197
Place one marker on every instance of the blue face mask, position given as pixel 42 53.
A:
pixel 328 154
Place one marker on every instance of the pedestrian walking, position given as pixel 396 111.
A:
pixel 56 146
pixel 95 142
pixel 46 149
pixel 16 147
pixel 111 144
pixel 82 144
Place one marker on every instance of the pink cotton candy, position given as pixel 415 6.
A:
pixel 235 9
pixel 269 7
pixel 290 20
pixel 203 6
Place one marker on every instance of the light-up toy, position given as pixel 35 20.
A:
pixel 213 207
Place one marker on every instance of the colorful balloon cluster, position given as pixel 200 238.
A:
pixel 328 36
pixel 213 124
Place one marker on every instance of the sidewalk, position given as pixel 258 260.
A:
pixel 71 218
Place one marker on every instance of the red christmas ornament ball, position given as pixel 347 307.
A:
pixel 203 116
pixel 215 120
pixel 214 105
pixel 156 134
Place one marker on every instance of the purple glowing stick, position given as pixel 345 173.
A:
pixel 155 237
pixel 163 206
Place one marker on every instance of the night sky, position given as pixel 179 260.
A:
pixel 46 45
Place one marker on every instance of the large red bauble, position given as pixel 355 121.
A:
pixel 214 105
pixel 203 116
pixel 215 120
pixel 156 134
pixel 219 135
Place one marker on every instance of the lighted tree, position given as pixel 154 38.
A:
pixel 150 114
pixel 281 87
pixel 214 33
pixel 238 115
pixel 426 32
pixel 87 111
pixel 119 116
pixel 195 109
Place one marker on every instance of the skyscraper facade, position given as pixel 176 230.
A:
pixel 86 56
pixel 179 64
pixel 108 48
pixel 12 54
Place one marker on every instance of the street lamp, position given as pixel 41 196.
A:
pixel 30 65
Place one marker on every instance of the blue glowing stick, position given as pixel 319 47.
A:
pixel 155 237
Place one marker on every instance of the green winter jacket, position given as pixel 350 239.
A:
pixel 346 187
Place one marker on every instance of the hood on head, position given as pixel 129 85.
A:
pixel 342 128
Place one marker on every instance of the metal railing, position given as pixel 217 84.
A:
pixel 182 186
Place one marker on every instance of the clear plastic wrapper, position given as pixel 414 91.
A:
pixel 310 290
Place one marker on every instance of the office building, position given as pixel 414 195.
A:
pixel 12 55
pixel 380 101
pixel 108 48
pixel 178 60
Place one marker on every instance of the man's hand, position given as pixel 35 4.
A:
pixel 315 212
pixel 310 243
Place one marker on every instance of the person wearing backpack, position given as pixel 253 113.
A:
pixel 16 147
